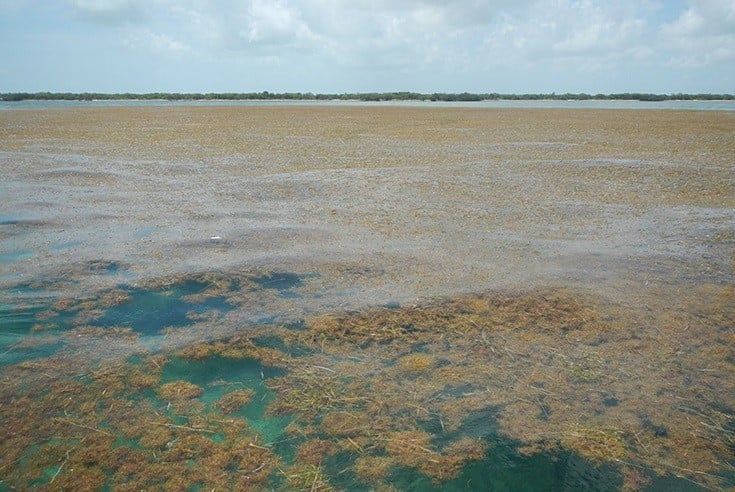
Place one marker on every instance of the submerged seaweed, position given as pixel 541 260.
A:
pixel 427 393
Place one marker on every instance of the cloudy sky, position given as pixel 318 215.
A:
pixel 661 46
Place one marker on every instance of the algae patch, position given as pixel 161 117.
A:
pixel 432 395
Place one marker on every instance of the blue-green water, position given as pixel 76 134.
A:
pixel 219 376
pixel 16 325
pixel 148 311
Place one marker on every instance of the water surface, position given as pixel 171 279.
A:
pixel 356 297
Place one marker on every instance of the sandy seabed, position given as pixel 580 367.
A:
pixel 571 270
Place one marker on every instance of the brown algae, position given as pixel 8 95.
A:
pixel 561 288
pixel 427 387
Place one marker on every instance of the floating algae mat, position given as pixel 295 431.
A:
pixel 366 298
pixel 506 390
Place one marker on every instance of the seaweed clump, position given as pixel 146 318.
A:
pixel 179 391
pixel 396 385
pixel 99 431
pixel 234 401
pixel 425 388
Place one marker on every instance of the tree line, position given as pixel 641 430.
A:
pixel 361 96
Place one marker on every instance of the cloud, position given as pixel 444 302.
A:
pixel 455 35
pixel 599 31
pixel 703 34
pixel 272 26
pixel 418 40
pixel 160 43
pixel 713 17
pixel 384 34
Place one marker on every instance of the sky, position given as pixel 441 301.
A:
pixel 336 46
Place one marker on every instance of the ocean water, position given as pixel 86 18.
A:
pixel 532 104
pixel 304 405
pixel 380 298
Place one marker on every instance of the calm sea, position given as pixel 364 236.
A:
pixel 554 104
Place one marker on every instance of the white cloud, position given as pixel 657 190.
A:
pixel 419 40
pixel 276 25
pixel 410 34
pixel 703 34
pixel 573 28
pixel 160 43
pixel 271 22
pixel 713 17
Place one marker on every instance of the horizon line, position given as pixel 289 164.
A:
pixel 362 96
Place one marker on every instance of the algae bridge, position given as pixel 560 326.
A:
pixel 408 297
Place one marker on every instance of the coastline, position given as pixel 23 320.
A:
pixel 671 104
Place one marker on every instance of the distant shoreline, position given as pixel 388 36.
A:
pixel 364 97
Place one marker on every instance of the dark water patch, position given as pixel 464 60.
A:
pixel 105 267
pixel 78 174
pixel 216 368
pixel 11 221
pixel 14 350
pixel 610 401
pixel 480 425
pixel 507 471
pixel 149 311
pixel 673 484
pixel 657 430
pixel 18 319
pixel 270 341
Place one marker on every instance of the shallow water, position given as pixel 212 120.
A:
pixel 322 382
pixel 358 298
pixel 538 103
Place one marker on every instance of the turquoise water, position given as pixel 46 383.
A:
pixel 219 376
pixel 149 311
pixel 16 324
pixel 146 312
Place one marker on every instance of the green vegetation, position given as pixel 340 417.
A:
pixel 362 96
